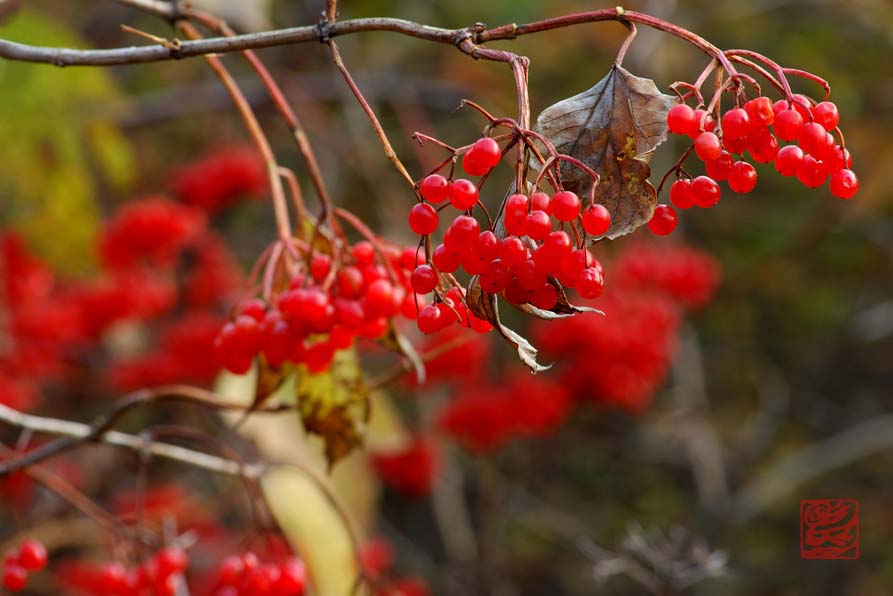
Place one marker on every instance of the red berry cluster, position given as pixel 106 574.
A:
pixel 322 310
pixel 30 557
pixel 542 240
pixel 412 469
pixel 482 417
pixel 160 575
pixel 247 575
pixel 221 178
pixel 756 127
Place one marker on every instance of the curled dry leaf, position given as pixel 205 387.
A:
pixel 613 128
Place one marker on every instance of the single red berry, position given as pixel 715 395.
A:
pixel 170 561
pixel 463 232
pixel 708 146
pixel 812 172
pixel 363 252
pixel 255 308
pixel 720 168
pixel 15 578
pixel 430 319
pixel 789 160
pixel 703 123
pixel 545 297
pixel 767 151
pixel 517 206
pixel 759 110
pixel 292 578
pixel 381 300
pixel 530 276
pixel 663 221
pixel 743 178
pixel 487 246
pixel 485 152
pixel 435 188
pixel 802 104
pixel 445 260
pixel 230 571
pixel 844 184
pixel 423 219
pixel 423 279
pixel 496 277
pixel 463 194
pixel 826 114
pixel 590 283
pixel 112 579
pixel 681 194
pixel 840 159
pixel 565 206
pixel 681 119
pixel 540 201
pixel 596 220
pixel 320 266
pixel 472 166
pixel 787 124
pixel 512 251
pixel 32 555
pixel 556 247
pixel 812 138
pixel 705 191
pixel 735 124
pixel 537 225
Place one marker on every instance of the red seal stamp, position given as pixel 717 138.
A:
pixel 829 529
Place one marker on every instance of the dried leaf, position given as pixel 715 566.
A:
pixel 613 128
pixel 484 306
pixel 335 405
pixel 269 380
pixel 400 344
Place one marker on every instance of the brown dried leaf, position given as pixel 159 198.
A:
pixel 613 128
pixel 269 379
pixel 484 306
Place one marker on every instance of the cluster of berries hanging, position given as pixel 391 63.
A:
pixel 30 557
pixel 326 303
pixel 247 575
pixel 758 127
pixel 544 239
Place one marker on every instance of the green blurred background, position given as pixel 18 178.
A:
pixel 797 348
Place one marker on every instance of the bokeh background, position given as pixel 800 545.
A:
pixel 781 388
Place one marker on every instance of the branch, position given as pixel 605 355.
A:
pixel 324 32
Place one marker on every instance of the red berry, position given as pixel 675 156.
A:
pixel 445 260
pixel 472 166
pixel 14 578
pixel 320 266
pixel 735 124
pixel 811 137
pixel 812 172
pixel 463 194
pixel 545 297
pixel 826 114
pixel 787 124
pixel 363 252
pixel 663 221
pixel 766 151
pixel 681 119
pixel 590 283
pixel 496 277
pixel 430 319
pixel 720 168
pixel 540 201
pixel 434 188
pixel 707 146
pixel 844 184
pixel 789 160
pixel 537 225
pixel 112 579
pixel 230 571
pixel 33 554
pixel 565 206
pixel 681 194
pixel 292 578
pixel 170 561
pixel 487 246
pixel 423 219
pixel 512 251
pixel 596 220
pixel 380 299
pixel 483 155
pixel 556 247
pixel 701 116
pixel 423 279
pixel 705 191
pixel 254 308
pixel 743 178
pixel 530 276
pixel 760 111
pixel 462 234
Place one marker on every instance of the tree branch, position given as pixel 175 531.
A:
pixel 324 32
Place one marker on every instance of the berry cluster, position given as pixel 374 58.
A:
pixel 221 178
pixel 757 127
pixel 160 575
pixel 30 557
pixel 544 241
pixel 324 307
pixel 482 417
pixel 410 470
pixel 247 575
